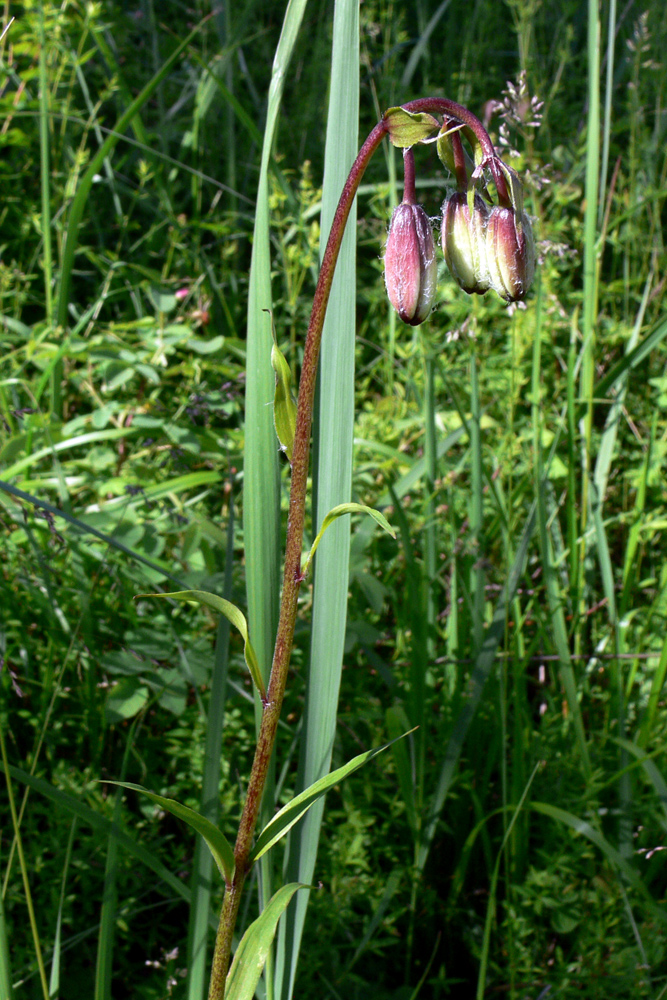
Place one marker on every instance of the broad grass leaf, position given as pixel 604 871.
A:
pixel 219 846
pixel 290 814
pixel 254 946
pixel 336 512
pixel 232 614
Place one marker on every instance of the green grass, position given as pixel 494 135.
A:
pixel 513 842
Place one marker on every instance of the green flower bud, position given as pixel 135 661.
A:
pixel 410 267
pixel 510 250
pixel 464 241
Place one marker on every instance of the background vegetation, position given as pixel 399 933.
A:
pixel 521 616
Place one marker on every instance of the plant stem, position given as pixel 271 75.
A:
pixel 409 192
pixel 297 509
pixel 292 572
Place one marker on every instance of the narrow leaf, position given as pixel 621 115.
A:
pixel 336 512
pixel 254 946
pixel 219 846
pixel 232 613
pixel 290 814
pixel 284 405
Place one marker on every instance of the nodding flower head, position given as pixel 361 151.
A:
pixel 410 267
pixel 464 241
pixel 510 250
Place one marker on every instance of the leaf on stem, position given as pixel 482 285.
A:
pixel 405 128
pixel 253 949
pixel 219 846
pixel 290 814
pixel 335 512
pixel 284 404
pixel 232 613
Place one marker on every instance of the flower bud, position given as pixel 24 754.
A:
pixel 464 241
pixel 510 249
pixel 410 267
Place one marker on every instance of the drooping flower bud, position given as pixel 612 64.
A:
pixel 510 250
pixel 464 241
pixel 410 267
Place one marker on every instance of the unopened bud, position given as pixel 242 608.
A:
pixel 464 241
pixel 410 267
pixel 510 249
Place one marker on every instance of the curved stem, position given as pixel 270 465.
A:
pixel 459 157
pixel 297 508
pixel 292 574
pixel 450 109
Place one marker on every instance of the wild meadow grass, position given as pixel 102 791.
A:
pixel 169 180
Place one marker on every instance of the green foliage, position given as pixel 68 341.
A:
pixel 122 369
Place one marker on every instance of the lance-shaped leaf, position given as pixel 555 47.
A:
pixel 290 814
pixel 407 129
pixel 335 512
pixel 251 954
pixel 284 405
pixel 232 613
pixel 218 845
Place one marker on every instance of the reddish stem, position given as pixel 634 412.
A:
pixel 292 574
pixel 409 190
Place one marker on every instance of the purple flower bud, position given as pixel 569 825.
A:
pixel 510 249
pixel 410 267
pixel 464 241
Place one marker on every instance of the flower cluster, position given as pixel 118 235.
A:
pixel 486 244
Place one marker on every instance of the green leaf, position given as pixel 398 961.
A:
pixel 164 302
pixel 284 406
pixel 407 129
pixel 125 699
pixel 219 846
pixel 346 508
pixel 290 814
pixel 254 946
pixel 232 614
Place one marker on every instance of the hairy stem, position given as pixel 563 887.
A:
pixel 292 572
pixel 297 509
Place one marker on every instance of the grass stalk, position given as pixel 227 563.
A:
pixel 23 866
pixel 202 876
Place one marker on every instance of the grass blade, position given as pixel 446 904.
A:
pixel 261 484
pixel 333 448
pixel 81 197
pixel 22 862
pixel 54 979
pixel 474 688
pixel 202 869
